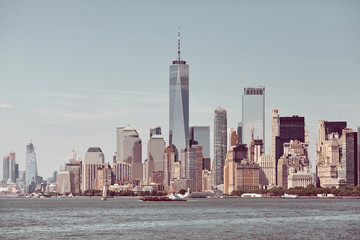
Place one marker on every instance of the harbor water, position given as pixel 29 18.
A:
pixel 130 218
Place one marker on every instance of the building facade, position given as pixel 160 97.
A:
pixel 31 174
pixel 179 103
pixel 253 114
pixel 201 134
pixel 94 159
pixel 220 145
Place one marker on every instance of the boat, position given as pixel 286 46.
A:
pixel 251 195
pixel 161 199
pixel 103 198
pixel 289 195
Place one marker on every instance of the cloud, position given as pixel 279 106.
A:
pixel 5 105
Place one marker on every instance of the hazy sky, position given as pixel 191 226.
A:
pixel 71 72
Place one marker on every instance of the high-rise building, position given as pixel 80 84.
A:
pixel 239 132
pixel 121 172
pixel 156 130
pixel 169 158
pixel 253 114
pixel 74 167
pixel 337 155
pixel 179 103
pixel 12 167
pixel 94 158
pixel 6 169
pixel 31 174
pixel 220 145
pixel 129 150
pixel 201 134
pixel 155 154
pixel 290 128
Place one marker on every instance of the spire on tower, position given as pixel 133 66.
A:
pixel 179 61
pixel 178 44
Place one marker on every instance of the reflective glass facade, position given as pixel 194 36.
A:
pixel 31 166
pixel 201 134
pixel 179 105
pixel 253 114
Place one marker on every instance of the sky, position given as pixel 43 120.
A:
pixel 71 72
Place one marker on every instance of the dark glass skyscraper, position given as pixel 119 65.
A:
pixel 220 145
pixel 179 103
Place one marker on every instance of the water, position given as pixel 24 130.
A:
pixel 122 218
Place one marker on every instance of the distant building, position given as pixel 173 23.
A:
pixel 179 103
pixel 12 167
pixel 155 131
pixel 121 172
pixel 169 158
pixel 31 168
pixel 130 150
pixel 63 182
pixel 239 172
pixel 358 141
pixel 155 151
pixel 94 158
pixel 294 166
pixel 253 114
pixel 220 145
pixel 75 170
pixel 104 176
pixel 267 166
pixel 207 180
pixel 232 138
pixel 6 169
pixel 201 134
pixel 337 156
pixel 239 133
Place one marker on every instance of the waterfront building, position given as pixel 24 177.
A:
pixel 121 172
pixel 74 167
pixel 337 155
pixel 194 167
pixel 239 172
pixel 169 158
pixel 206 164
pixel 220 145
pixel 207 180
pixel 6 163
pixel 358 141
pixel 103 177
pixel 283 130
pixel 154 163
pixel 31 168
pixel 130 150
pixel 94 158
pixel 201 134
pixel 266 175
pixel 179 103
pixel 294 165
pixel 253 114
pixel 63 182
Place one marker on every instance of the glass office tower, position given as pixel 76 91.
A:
pixel 253 114
pixel 220 145
pixel 201 134
pixel 31 166
pixel 179 103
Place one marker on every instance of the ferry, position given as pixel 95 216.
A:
pixel 289 195
pixel 251 195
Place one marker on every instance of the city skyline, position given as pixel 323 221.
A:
pixel 69 83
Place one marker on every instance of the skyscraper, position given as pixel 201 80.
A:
pixel 201 134
pixel 358 141
pixel 220 144
pixel 179 103
pixel 12 170
pixel 253 114
pixel 129 150
pixel 5 169
pixel 94 158
pixel 31 167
